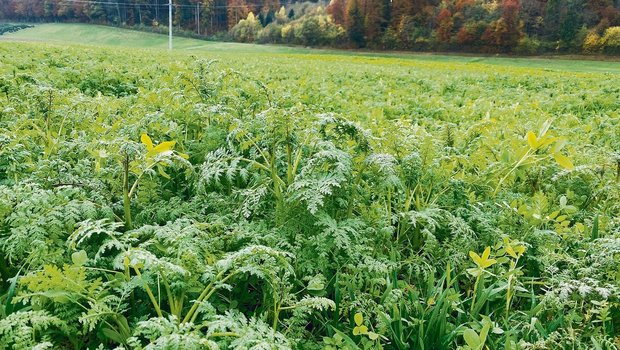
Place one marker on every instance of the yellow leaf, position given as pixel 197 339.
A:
pixel 146 140
pixel 475 257
pixel 520 249
pixel 488 263
pixel 486 253
pixel 511 251
pixel 580 227
pixel 531 140
pixel 359 319
pixel 546 141
pixel 563 161
pixel 164 146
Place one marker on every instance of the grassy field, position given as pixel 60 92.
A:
pixel 85 34
pixel 230 196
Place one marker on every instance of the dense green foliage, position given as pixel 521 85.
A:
pixel 168 201
pixel 11 28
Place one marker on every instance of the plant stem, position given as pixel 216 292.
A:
pixel 206 293
pixel 126 199
pixel 501 181
pixel 473 301
pixel 224 334
pixel 150 294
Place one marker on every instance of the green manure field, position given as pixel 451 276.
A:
pixel 231 196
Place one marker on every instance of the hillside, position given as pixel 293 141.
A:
pixel 86 34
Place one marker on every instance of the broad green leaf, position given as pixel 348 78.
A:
pixel 511 251
pixel 563 161
pixel 563 201
pixel 471 338
pixel 316 285
pixel 79 258
pixel 9 299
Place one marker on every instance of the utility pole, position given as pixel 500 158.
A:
pixel 169 24
pixel 198 18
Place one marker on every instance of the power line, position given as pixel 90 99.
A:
pixel 165 5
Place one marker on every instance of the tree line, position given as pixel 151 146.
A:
pixel 522 26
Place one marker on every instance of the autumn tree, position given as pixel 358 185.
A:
pixel 376 17
pixel 445 24
pixel 400 9
pixel 337 9
pixel 354 23
pixel 236 11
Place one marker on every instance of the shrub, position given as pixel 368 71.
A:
pixel 313 30
pixel 528 46
pixel 271 34
pixel 246 30
pixel 592 43
pixel 610 42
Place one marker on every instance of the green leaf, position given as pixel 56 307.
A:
pixel 563 201
pixel 563 161
pixel 595 234
pixel 316 285
pixel 79 258
pixel 113 335
pixel 160 170
pixel 9 299
pixel 471 338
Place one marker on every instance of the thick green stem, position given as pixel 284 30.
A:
pixel 356 182
pixel 175 305
pixel 126 198
pixel 150 294
pixel 223 334
pixel 206 293
pixel 276 315
pixel 208 296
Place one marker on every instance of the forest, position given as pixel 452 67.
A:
pixel 526 27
